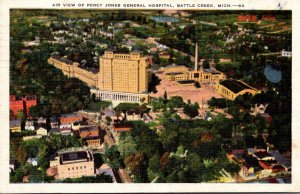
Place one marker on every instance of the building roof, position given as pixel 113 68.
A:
pixel 69 115
pixel 75 156
pixel 89 132
pixel 14 123
pixel 80 155
pixel 122 126
pixel 235 85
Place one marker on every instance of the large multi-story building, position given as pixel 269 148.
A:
pixel 74 164
pixel 123 72
pixel 122 77
pixel 72 69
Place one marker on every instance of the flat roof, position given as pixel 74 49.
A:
pixel 235 85
pixel 69 115
pixel 70 156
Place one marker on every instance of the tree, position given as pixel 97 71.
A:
pixel 206 64
pixel 197 85
pixel 113 156
pixel 177 101
pixel 21 155
pixel 127 146
pixel 190 110
pixel 108 120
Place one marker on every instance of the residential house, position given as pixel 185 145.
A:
pixel 42 131
pixel 121 127
pixel 54 122
pixel 133 115
pixel 70 118
pixel 91 135
pixel 29 125
pixel 32 161
pixel 66 131
pixel 42 120
pixel 15 126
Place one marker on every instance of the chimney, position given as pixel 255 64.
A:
pixel 196 57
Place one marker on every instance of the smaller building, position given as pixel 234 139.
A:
pixel 91 135
pixel 70 118
pixel 133 115
pixel 32 161
pixel 121 127
pixel 286 53
pixel 15 126
pixel 42 131
pixel 231 89
pixel 269 17
pixel 29 125
pixel 247 18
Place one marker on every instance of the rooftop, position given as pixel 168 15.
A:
pixel 70 115
pixel 235 85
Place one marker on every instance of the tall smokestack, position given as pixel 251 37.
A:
pixel 196 57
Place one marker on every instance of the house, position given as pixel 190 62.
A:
pixel 269 17
pixel 54 122
pixel 121 127
pixel 32 161
pixel 133 115
pixel 15 126
pixel 261 109
pixel 29 125
pixel 42 131
pixel 91 135
pixel 66 131
pixel 41 120
pixel 70 118
pixel 247 18
pixel 54 131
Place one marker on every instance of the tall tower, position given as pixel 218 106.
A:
pixel 196 57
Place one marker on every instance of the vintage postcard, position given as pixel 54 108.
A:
pixel 139 96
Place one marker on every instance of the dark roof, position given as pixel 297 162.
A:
pixel 235 85
pixel 67 61
pixel 14 123
pixel 80 155
pixel 186 81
